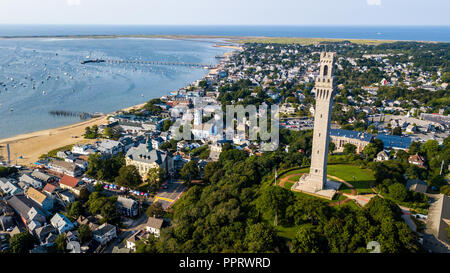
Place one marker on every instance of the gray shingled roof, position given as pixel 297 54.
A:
pixel 103 229
pixel 155 222
pixel 126 202
pixel 142 154
pixel 41 176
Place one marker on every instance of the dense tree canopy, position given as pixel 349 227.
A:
pixel 129 177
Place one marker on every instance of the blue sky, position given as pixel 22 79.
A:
pixel 226 12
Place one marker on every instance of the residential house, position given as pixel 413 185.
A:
pixel 127 207
pixel 43 177
pixel 90 221
pixel 104 233
pixel 40 198
pixel 109 147
pixel 382 156
pixel 417 185
pixel 204 131
pixel 50 189
pixel 131 241
pixel 29 212
pixel 154 226
pixel 417 160
pixel 83 149
pixel 30 181
pixel 70 183
pixel 67 168
pixel 8 187
pixel 66 197
pixel 61 223
pixel 46 235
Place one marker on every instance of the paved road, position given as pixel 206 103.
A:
pixel 127 232
pixel 165 196
pixel 168 196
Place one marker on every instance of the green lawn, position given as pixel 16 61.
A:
pixel 299 172
pixel 295 178
pixel 359 178
pixel 287 232
pixel 288 185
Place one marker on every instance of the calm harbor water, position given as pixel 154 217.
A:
pixel 45 74
pixel 38 75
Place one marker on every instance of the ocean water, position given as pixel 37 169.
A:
pixel 415 33
pixel 52 65
pixel 39 75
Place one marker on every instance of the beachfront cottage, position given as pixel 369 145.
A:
pixel 83 149
pixel 67 168
pixel 109 147
pixel 144 158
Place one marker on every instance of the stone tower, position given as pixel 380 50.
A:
pixel 316 181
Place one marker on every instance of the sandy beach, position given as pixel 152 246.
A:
pixel 31 146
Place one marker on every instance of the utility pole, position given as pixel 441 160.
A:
pixel 276 176
pixel 442 167
pixel 275 221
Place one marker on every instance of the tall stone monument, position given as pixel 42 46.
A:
pixel 316 182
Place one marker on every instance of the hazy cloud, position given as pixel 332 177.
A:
pixel 71 3
pixel 374 2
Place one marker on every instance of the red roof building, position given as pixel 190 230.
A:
pixel 68 181
pixel 50 188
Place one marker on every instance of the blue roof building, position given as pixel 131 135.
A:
pixel 341 137
pixel 351 134
pixel 395 142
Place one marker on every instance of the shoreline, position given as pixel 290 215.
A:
pixel 34 144
pixel 230 39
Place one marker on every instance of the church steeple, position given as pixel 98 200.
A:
pixel 149 144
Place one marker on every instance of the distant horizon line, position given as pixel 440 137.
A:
pixel 218 25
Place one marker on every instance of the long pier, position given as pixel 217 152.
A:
pixel 141 62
